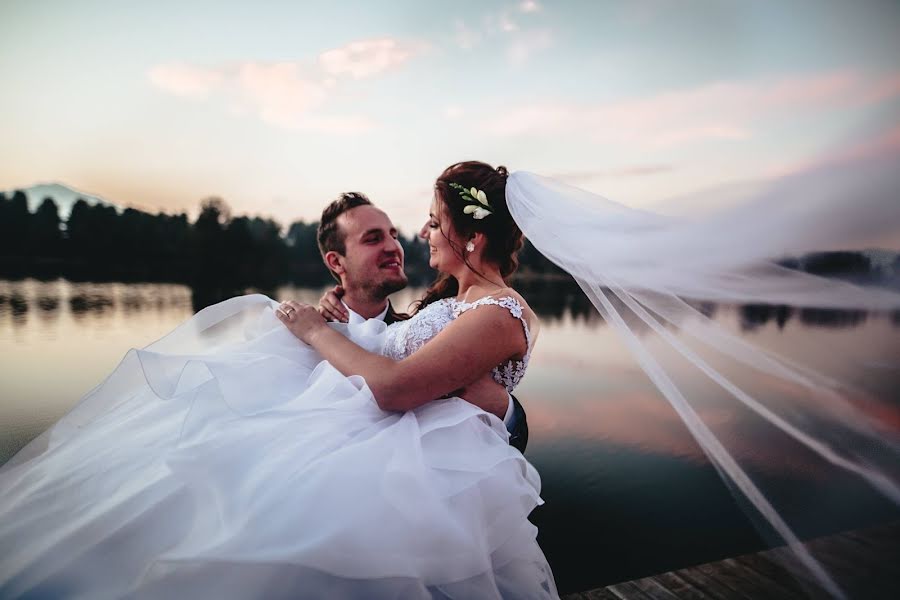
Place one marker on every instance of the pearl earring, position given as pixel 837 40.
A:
pixel 470 247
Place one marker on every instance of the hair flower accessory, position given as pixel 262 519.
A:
pixel 476 201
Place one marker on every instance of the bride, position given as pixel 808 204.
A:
pixel 230 460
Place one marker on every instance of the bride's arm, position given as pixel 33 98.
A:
pixel 470 346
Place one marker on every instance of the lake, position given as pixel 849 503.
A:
pixel 628 492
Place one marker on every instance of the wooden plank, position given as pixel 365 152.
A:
pixel 854 583
pixel 628 591
pixel 864 540
pixel 727 578
pixel 879 543
pixel 713 586
pixel 838 558
pixel 681 588
pixel 752 580
pixel 785 559
pixel 861 557
pixel 774 572
pixel 600 594
pixel 888 533
pixel 863 562
pixel 654 590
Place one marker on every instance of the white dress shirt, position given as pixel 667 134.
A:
pixel 356 318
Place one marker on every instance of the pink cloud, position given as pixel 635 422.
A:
pixel 185 80
pixel 288 94
pixel 882 144
pixel 575 177
pixel 882 90
pixel 722 110
pixel 278 92
pixel 367 58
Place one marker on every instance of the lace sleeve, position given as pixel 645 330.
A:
pixel 509 303
pixel 510 373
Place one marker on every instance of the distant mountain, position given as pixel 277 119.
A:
pixel 63 195
pixel 881 259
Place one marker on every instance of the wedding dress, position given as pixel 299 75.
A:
pixel 227 460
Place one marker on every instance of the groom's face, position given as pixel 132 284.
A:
pixel 373 261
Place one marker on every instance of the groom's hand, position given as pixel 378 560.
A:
pixel 330 306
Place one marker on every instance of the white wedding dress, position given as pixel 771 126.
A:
pixel 227 460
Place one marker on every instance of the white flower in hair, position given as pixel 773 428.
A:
pixel 479 213
pixel 476 201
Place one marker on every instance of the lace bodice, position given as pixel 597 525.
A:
pixel 405 337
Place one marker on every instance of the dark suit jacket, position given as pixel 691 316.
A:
pixel 393 316
pixel 518 435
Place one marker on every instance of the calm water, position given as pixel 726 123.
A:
pixel 627 491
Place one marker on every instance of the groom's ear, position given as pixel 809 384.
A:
pixel 335 262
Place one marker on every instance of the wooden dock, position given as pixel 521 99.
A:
pixel 865 563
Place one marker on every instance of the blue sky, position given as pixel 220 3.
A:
pixel 279 106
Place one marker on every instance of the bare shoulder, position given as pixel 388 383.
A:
pixel 509 292
pixel 527 313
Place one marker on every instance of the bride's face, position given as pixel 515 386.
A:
pixel 438 231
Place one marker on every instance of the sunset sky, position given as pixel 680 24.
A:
pixel 279 106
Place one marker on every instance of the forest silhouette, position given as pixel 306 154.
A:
pixel 219 254
pixel 100 243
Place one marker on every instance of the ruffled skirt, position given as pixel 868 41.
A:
pixel 227 460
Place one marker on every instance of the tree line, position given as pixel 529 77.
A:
pixel 99 242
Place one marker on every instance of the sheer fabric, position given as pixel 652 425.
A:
pixel 228 460
pixel 646 272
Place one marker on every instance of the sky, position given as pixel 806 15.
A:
pixel 278 107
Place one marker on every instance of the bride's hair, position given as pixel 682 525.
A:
pixel 503 238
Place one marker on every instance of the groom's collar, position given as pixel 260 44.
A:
pixel 358 318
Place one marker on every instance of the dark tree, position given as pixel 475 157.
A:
pixel 845 265
pixel 209 240
pixel 15 221
pixel 304 261
pixel 78 228
pixel 46 235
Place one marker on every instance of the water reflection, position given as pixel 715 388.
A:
pixel 16 304
pixel 553 301
pixel 558 300
pixel 50 299
pixel 48 303
pixel 754 316
pixel 81 304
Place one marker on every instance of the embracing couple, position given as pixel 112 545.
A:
pixel 260 451
pixel 359 245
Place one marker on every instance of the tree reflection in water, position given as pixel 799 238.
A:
pixel 553 300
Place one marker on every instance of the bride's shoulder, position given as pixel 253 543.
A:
pixel 506 297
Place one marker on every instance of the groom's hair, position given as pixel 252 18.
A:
pixel 329 235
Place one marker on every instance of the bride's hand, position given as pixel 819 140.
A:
pixel 301 319
pixel 330 306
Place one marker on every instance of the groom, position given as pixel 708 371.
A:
pixel 360 247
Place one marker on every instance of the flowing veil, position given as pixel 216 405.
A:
pixel 645 273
